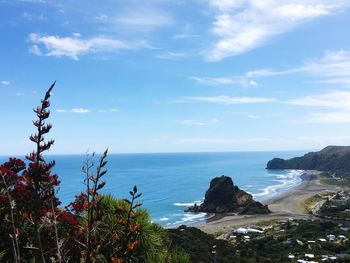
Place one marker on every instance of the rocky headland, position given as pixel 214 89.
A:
pixel 332 159
pixel 225 197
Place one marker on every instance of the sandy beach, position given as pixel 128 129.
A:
pixel 290 204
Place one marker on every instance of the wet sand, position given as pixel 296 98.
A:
pixel 290 204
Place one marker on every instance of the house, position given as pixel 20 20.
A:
pixel 331 237
pixel 241 231
pixel 342 237
pixel 300 242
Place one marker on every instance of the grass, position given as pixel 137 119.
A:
pixel 310 203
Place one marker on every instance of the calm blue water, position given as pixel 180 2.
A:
pixel 170 182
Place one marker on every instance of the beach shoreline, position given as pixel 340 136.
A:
pixel 289 204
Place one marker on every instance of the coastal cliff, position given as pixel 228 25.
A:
pixel 223 197
pixel 332 159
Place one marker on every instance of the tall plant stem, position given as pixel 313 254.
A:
pixel 14 238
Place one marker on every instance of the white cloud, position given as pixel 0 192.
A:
pixel 144 19
pixel 73 47
pixel 6 82
pixel 109 110
pixel 102 17
pixel 138 19
pixel 332 68
pixel 200 123
pixel 194 122
pixel 184 36
pixel 328 117
pixel 334 99
pixel 74 110
pixel 33 17
pixel 35 1
pixel 227 100
pixel 171 55
pixel 213 140
pixel 243 25
pixel 242 81
pixel 34 49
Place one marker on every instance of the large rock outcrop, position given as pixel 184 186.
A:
pixel 223 197
pixel 333 159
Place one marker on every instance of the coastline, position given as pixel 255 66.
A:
pixel 289 204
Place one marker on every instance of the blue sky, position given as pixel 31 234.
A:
pixel 177 76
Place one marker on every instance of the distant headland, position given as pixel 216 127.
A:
pixel 334 160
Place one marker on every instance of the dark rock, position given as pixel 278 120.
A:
pixel 255 208
pixel 224 197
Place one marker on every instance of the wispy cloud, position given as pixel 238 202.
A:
pixel 171 55
pixel 243 25
pixel 144 18
pixel 332 68
pixel 218 81
pixel 199 122
pixel 35 1
pixel 109 110
pixel 74 110
pixel 135 19
pixel 213 140
pixel 337 101
pixel 227 100
pixel 184 36
pixel 5 83
pixel 33 17
pixel 73 47
pixel 334 99
pixel 328 117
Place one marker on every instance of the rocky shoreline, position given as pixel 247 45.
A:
pixel 290 204
pixel 225 197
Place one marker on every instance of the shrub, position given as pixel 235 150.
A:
pixel 93 228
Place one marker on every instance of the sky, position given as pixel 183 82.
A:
pixel 176 76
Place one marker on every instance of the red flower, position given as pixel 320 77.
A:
pixel 15 165
pixel 68 218
pixel 133 245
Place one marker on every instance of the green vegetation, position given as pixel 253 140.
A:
pixel 102 228
pixel 332 159
pixel 93 228
pixel 295 238
pixel 327 179
pixel 200 245
pixel 337 207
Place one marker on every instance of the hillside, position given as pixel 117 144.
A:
pixel 332 159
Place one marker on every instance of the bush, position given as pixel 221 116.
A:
pixel 93 228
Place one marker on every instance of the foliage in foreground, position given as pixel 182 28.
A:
pixel 93 228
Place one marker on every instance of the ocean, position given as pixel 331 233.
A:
pixel 170 182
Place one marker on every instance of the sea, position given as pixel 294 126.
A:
pixel 170 182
